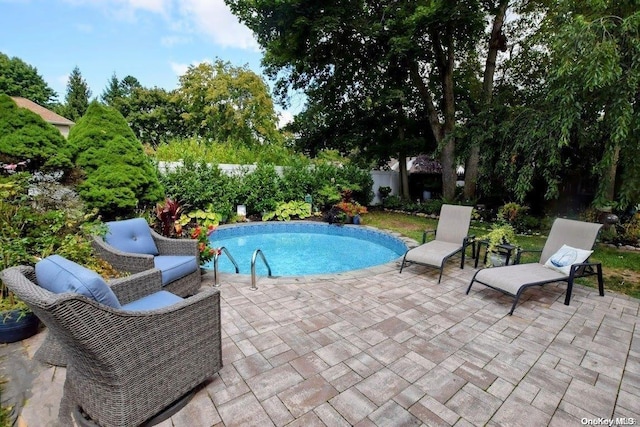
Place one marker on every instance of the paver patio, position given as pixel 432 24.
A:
pixel 379 348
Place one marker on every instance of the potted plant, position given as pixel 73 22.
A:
pixel 17 322
pixel 501 233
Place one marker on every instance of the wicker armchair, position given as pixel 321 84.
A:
pixel 124 367
pixel 133 262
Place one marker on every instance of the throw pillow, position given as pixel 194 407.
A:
pixel 59 275
pixel 565 257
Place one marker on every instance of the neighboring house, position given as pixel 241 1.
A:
pixel 63 124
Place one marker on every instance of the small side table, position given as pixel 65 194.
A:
pixel 503 249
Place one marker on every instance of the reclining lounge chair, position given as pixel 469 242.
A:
pixel 450 238
pixel 562 259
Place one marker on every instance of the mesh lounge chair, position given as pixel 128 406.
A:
pixel 450 238
pixel 131 246
pixel 514 279
pixel 127 364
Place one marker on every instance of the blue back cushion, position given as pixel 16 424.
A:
pixel 131 235
pixel 59 275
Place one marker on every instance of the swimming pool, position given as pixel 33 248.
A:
pixel 304 248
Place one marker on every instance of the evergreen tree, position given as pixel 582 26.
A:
pixel 113 92
pixel 24 135
pixel 119 176
pixel 77 98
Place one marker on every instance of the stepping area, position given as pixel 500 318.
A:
pixel 379 348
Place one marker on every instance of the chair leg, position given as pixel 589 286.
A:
pixel 440 277
pixel 464 249
pixel 470 284
pixel 600 280
pixel 567 298
pixel 515 301
pixel 403 261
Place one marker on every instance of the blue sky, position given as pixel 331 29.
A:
pixel 152 40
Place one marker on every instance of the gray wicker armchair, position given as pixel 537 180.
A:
pixel 124 367
pixel 139 258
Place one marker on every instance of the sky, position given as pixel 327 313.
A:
pixel 152 40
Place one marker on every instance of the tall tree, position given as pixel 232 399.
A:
pixel 595 82
pixel 17 78
pixel 223 102
pixel 409 48
pixel 77 97
pixel 113 92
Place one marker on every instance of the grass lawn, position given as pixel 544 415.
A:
pixel 621 268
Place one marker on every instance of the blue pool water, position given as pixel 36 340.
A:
pixel 303 248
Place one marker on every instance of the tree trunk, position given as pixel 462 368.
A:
pixel 447 156
pixel 496 42
pixel 404 175
pixel 610 191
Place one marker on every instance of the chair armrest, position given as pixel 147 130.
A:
pixel 520 251
pixel 136 286
pixel 170 246
pixel 424 235
pixel 122 261
pixel 575 267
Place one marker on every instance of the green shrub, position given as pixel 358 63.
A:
pixel 260 190
pixel 392 202
pixel 198 185
pixel 287 210
pixel 24 135
pixel 119 176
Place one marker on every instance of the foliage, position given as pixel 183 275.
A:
pixel 352 209
pixel 37 224
pixel 594 81
pixel 499 233
pixel 169 214
pixel 207 217
pixel 516 215
pixel 384 192
pixel 76 100
pixel 24 135
pixel 227 152
pixel 286 210
pixel 261 190
pixel 204 246
pixel 227 103
pixel 17 78
pixel 198 184
pixel 119 177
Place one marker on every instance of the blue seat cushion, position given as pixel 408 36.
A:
pixel 131 235
pixel 154 301
pixel 59 275
pixel 174 267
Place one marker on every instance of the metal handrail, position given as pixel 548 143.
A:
pixel 253 268
pixel 220 251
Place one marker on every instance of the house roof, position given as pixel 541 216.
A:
pixel 46 114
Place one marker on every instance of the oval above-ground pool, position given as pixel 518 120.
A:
pixel 304 247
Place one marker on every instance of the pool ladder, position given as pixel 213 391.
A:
pixel 216 276
pixel 224 250
pixel 253 268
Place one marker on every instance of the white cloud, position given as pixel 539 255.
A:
pixel 214 19
pixel 126 9
pixel 180 69
pixel 169 41
pixel 284 118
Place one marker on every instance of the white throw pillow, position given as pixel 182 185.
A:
pixel 565 257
